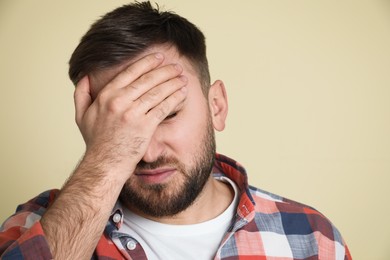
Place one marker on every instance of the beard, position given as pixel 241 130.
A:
pixel 169 199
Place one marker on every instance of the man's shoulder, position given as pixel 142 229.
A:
pixel 43 200
pixel 37 206
pixel 271 203
pixel 282 215
pixel 265 201
pixel 21 235
pixel 287 228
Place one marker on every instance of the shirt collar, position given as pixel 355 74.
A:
pixel 235 171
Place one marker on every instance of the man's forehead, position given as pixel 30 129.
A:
pixel 101 78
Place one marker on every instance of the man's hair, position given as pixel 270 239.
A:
pixel 127 31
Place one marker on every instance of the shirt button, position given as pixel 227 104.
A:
pixel 117 218
pixel 131 245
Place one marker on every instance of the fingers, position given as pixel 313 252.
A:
pixel 159 93
pixel 156 104
pixel 143 75
pixel 163 109
pixel 82 98
pixel 136 70
pixel 142 85
pixel 145 87
pixel 152 79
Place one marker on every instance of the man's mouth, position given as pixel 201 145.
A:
pixel 155 176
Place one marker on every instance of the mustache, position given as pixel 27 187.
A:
pixel 159 162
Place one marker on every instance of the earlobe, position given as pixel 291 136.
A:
pixel 218 104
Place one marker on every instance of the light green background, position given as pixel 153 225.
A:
pixel 309 90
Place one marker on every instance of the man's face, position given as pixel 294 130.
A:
pixel 179 159
pixel 178 176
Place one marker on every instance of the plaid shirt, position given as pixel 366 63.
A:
pixel 266 226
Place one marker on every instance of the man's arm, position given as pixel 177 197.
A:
pixel 117 127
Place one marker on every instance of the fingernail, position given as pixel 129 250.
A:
pixel 159 56
pixel 184 89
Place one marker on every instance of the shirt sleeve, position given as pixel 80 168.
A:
pixel 21 235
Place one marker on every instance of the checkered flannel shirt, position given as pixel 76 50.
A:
pixel 266 226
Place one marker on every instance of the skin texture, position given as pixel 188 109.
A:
pixel 122 115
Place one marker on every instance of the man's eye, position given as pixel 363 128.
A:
pixel 171 116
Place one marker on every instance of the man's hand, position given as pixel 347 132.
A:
pixel 117 128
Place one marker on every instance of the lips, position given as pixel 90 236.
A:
pixel 155 176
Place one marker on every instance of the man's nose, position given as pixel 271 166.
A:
pixel 154 150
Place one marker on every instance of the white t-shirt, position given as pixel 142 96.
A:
pixel 164 241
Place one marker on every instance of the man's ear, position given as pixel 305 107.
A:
pixel 218 104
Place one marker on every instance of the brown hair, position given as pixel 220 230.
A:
pixel 127 31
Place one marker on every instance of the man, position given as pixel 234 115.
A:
pixel 150 185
